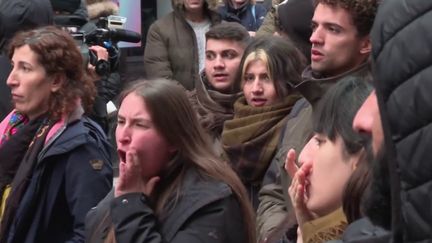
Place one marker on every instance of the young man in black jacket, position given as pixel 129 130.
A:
pixel 398 118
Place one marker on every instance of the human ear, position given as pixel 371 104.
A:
pixel 57 82
pixel 366 45
pixel 356 159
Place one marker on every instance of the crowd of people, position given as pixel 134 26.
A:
pixel 306 121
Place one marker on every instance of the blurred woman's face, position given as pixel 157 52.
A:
pixel 258 88
pixel 331 169
pixel 136 131
pixel 237 3
pixel 30 86
pixel 194 5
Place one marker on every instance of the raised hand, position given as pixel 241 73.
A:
pixel 297 189
pixel 290 163
pixel 131 179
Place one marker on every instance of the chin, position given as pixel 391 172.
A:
pixel 223 88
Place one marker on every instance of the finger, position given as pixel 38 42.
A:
pixel 307 168
pixel 299 195
pixel 290 165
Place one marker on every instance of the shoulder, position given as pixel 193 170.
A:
pixel 165 21
pixel 208 188
pixel 83 132
pixel 363 230
pixel 204 200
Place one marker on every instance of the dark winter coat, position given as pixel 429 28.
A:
pixel 5 95
pixel 207 211
pixel 171 49
pixel 251 16
pixel 401 41
pixel 73 173
pixel 363 231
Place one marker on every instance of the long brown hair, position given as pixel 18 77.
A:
pixel 58 53
pixel 176 121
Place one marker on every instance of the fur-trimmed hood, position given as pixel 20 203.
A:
pixel 211 4
pixel 102 9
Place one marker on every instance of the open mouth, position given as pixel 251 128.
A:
pixel 258 101
pixel 122 155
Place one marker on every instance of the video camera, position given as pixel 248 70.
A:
pixel 106 32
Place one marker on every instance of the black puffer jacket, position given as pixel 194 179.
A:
pixel 401 40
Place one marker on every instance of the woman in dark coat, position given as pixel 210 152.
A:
pixel 55 162
pixel 172 185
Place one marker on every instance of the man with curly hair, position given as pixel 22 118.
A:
pixel 340 47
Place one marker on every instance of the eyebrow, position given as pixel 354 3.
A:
pixel 326 23
pixel 135 119
pixel 21 63
pixel 224 50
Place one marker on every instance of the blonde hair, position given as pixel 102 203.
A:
pixel 257 55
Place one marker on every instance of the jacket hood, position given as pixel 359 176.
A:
pixel 102 9
pixel 177 5
pixel 18 15
pixel 403 68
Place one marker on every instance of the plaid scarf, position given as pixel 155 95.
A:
pixel 251 138
pixel 212 107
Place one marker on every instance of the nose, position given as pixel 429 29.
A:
pixel 316 37
pixel 364 119
pixel 12 79
pixel 307 154
pixel 219 63
pixel 257 87
pixel 123 134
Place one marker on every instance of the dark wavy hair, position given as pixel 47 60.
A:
pixel 58 53
pixel 362 12
pixel 229 31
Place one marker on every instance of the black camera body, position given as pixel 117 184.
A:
pixel 101 34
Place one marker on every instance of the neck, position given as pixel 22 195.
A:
pixel 197 16
pixel 344 70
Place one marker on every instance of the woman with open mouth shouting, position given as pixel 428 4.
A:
pixel 172 185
